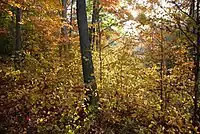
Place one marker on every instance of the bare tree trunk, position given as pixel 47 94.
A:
pixel 95 17
pixel 98 27
pixel 18 38
pixel 12 29
pixel 100 60
pixel 71 17
pixel 162 69
pixel 86 55
pixel 197 71
pixel 64 44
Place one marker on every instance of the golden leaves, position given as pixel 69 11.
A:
pixel 109 2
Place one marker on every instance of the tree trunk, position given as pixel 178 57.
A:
pixel 71 17
pixel 64 28
pixel 94 27
pixel 94 15
pixel 18 38
pixel 64 45
pixel 64 16
pixel 161 69
pixel 86 55
pixel 98 27
pixel 197 71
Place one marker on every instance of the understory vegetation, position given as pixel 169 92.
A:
pixel 139 72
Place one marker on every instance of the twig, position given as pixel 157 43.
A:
pixel 173 2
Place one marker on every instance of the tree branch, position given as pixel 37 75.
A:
pixel 179 26
pixel 173 2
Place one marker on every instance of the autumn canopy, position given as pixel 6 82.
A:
pixel 99 66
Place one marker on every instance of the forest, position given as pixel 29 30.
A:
pixel 99 66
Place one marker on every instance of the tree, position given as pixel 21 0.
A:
pixel 18 37
pixel 86 54
pixel 71 17
pixel 95 19
pixel 64 28
pixel 196 66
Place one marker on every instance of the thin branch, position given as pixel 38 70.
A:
pixel 186 35
pixel 173 2
pixel 179 26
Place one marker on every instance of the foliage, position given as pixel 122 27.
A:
pixel 145 79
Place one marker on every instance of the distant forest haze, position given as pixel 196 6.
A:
pixel 99 66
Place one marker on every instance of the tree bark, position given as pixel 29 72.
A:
pixel 197 70
pixel 64 16
pixel 18 38
pixel 93 29
pixel 64 28
pixel 18 29
pixel 71 17
pixel 86 55
pixel 161 69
